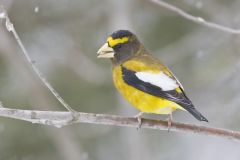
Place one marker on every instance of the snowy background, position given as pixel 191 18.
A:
pixel 63 38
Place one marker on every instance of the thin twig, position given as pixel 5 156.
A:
pixel 59 119
pixel 10 28
pixel 195 19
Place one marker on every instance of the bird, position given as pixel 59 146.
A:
pixel 144 80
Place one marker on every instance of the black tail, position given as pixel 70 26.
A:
pixel 191 109
pixel 187 104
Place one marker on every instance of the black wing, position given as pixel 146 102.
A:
pixel 131 79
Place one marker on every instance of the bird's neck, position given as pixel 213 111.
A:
pixel 120 58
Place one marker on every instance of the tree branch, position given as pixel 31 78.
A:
pixel 59 119
pixel 198 20
pixel 10 28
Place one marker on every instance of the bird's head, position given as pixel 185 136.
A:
pixel 120 46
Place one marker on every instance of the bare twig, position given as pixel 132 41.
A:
pixel 198 20
pixel 10 28
pixel 59 119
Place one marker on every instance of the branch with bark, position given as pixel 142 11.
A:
pixel 195 19
pixel 10 27
pixel 60 119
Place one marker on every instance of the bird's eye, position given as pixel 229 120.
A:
pixel 118 46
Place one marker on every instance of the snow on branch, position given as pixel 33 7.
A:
pixel 60 119
pixel 195 19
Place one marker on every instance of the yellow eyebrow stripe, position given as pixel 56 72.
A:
pixel 112 42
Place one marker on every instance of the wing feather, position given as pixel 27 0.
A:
pixel 150 86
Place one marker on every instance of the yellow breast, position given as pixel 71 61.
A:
pixel 141 100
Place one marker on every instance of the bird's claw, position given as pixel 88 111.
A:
pixel 139 119
pixel 169 120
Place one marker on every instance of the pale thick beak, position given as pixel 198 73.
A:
pixel 105 52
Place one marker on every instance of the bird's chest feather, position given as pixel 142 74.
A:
pixel 141 100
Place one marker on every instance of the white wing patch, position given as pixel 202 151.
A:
pixel 158 79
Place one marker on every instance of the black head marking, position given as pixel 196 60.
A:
pixel 121 34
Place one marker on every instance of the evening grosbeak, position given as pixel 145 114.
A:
pixel 142 79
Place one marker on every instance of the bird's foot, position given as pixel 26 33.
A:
pixel 169 120
pixel 139 119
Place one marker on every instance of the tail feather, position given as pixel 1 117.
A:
pixel 187 104
pixel 191 109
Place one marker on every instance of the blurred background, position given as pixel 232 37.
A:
pixel 62 37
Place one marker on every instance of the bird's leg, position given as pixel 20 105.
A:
pixel 138 116
pixel 169 121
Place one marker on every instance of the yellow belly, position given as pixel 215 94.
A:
pixel 141 100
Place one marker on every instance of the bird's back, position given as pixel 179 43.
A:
pixel 145 102
pixel 151 87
